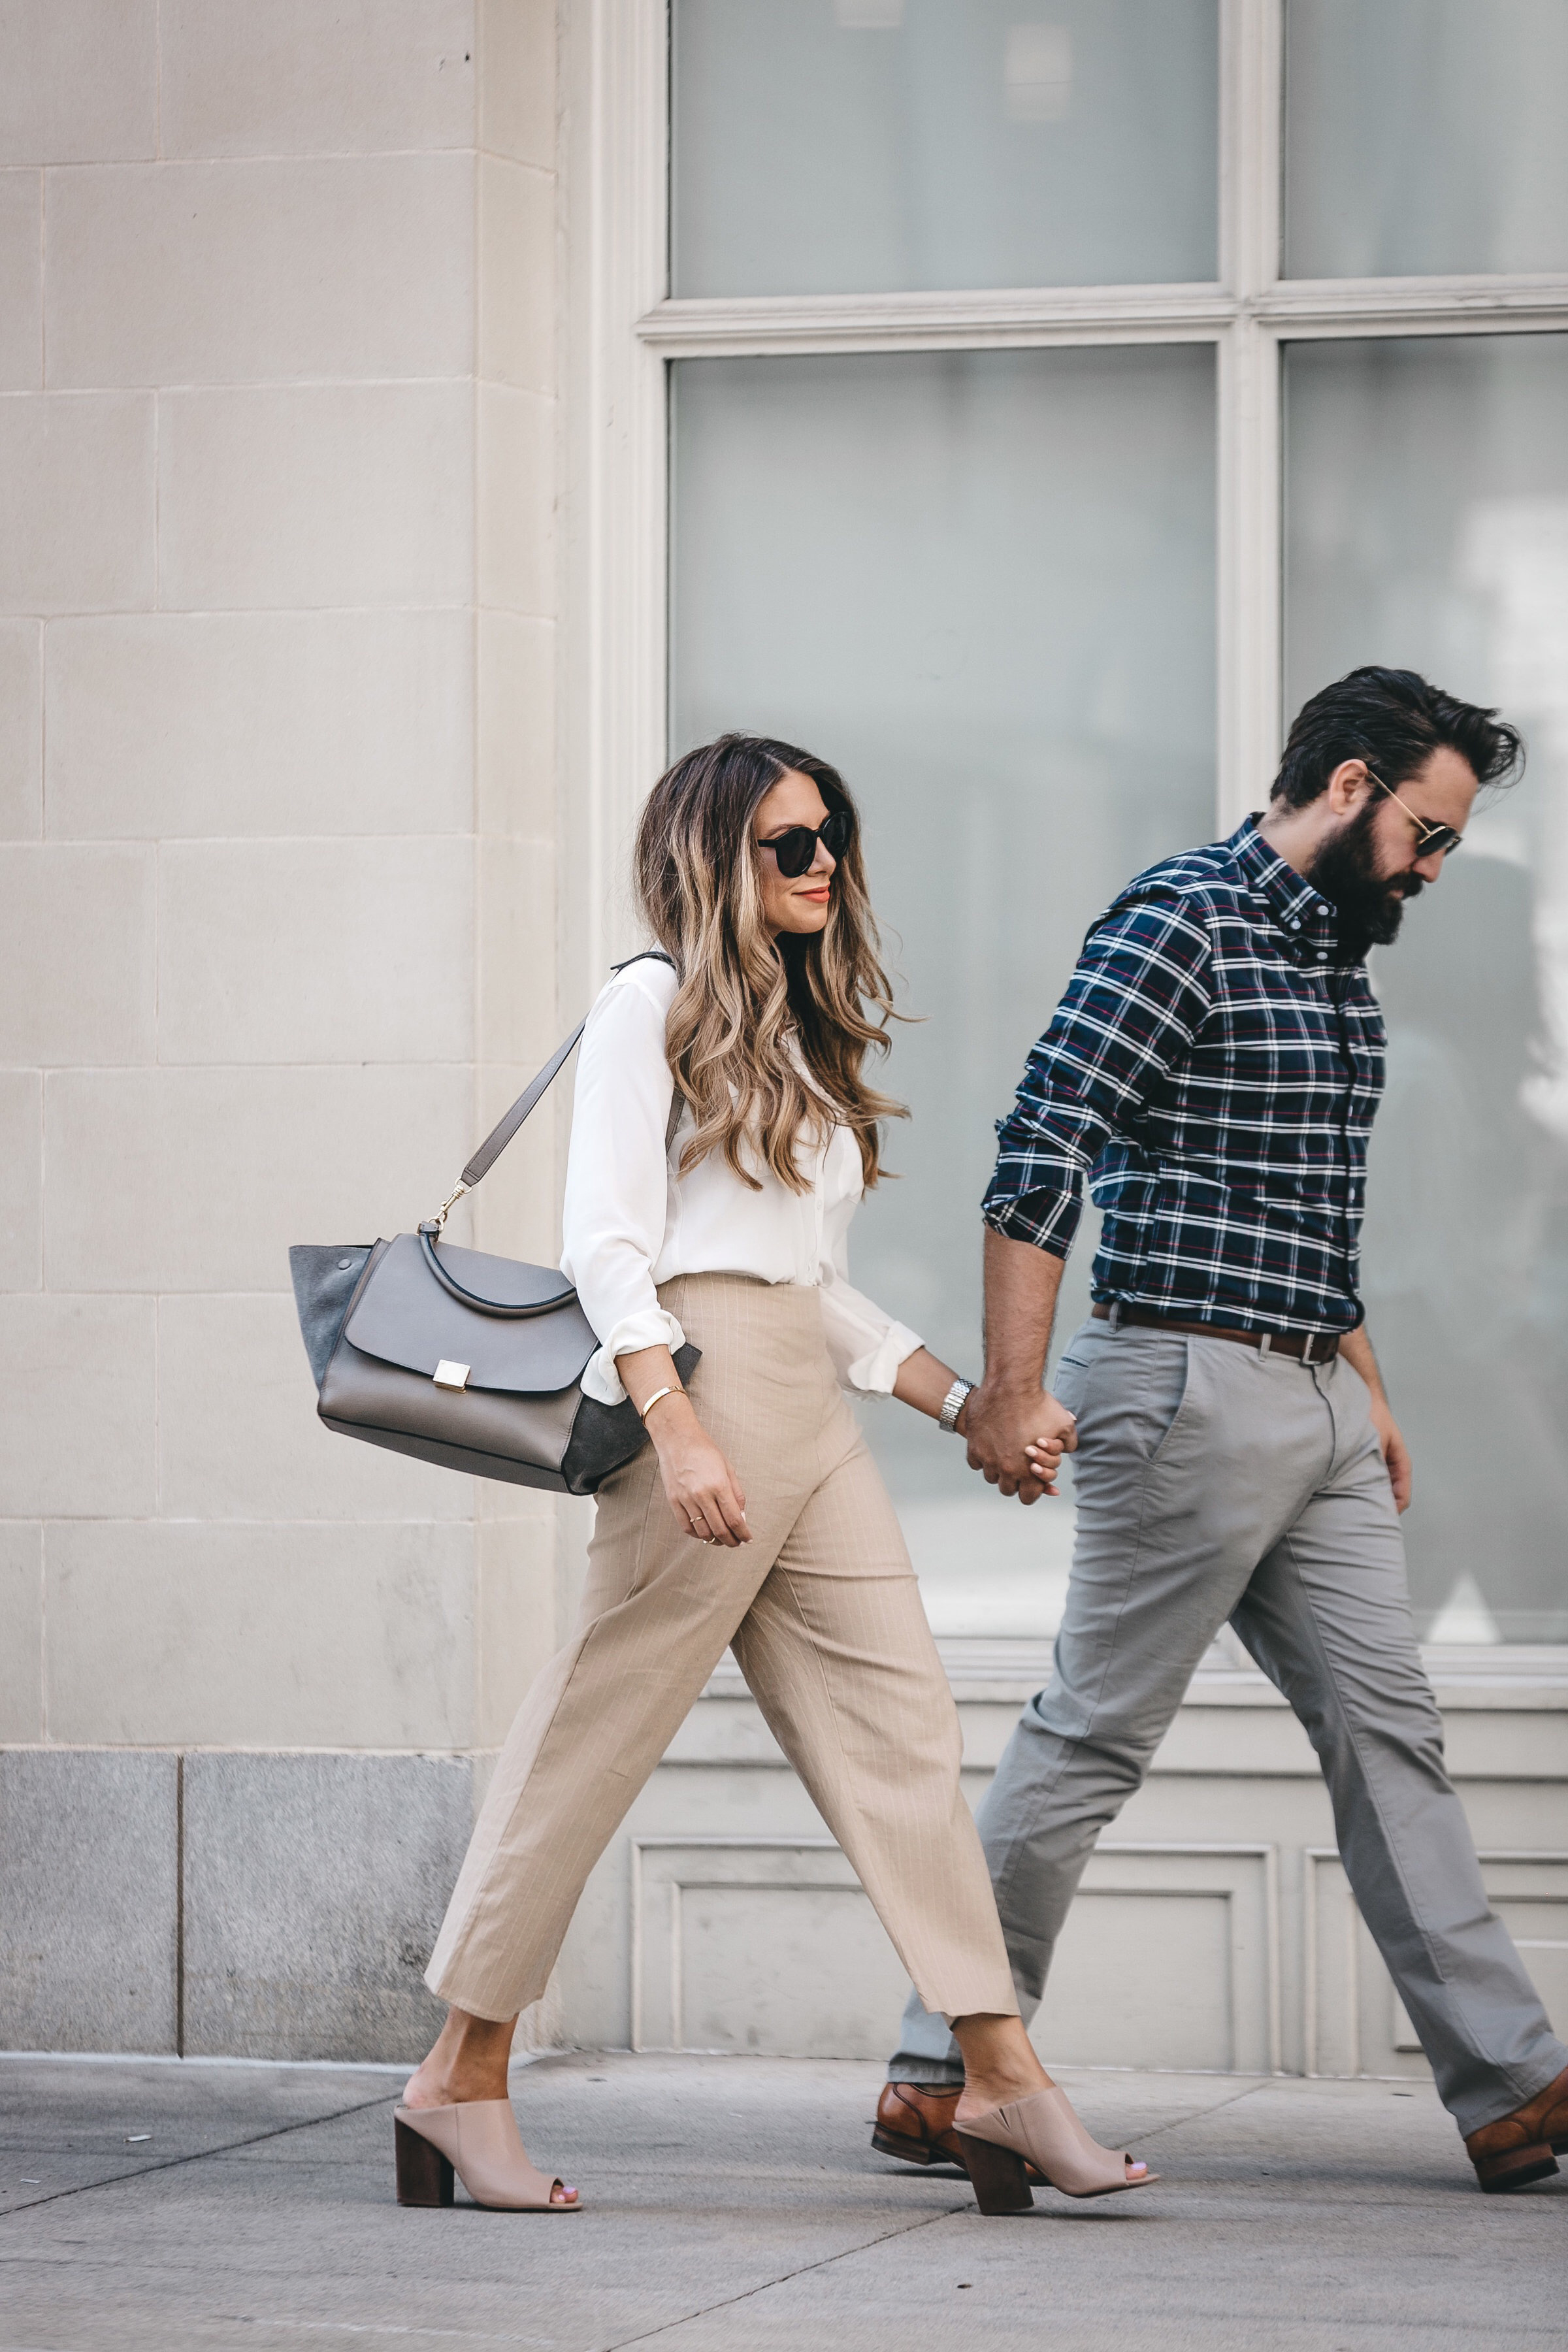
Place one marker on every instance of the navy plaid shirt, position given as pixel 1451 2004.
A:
pixel 1213 1068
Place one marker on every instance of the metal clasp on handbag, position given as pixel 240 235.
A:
pixel 438 1222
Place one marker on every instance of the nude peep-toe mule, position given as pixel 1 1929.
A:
pixel 480 2143
pixel 1045 2130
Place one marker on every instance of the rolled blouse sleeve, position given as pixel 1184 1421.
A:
pixel 865 1346
pixel 618 1176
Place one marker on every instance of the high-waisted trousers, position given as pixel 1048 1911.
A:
pixel 824 1615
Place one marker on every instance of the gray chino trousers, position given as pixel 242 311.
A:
pixel 1215 1483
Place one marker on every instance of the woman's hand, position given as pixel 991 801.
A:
pixel 703 1491
pixel 1044 1455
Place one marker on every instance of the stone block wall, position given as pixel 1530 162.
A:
pixel 278 941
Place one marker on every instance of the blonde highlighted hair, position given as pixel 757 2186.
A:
pixel 741 997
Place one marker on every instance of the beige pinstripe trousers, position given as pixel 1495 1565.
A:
pixel 824 1617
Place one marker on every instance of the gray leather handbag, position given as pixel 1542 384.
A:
pixel 458 1358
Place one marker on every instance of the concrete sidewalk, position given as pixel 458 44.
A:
pixel 737 2202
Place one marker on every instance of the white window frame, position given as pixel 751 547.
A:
pixel 623 330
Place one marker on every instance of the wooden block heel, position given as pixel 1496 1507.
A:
pixel 424 2175
pixel 1515 2167
pixel 1000 2178
pixel 476 2140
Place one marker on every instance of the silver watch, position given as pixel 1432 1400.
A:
pixel 953 1405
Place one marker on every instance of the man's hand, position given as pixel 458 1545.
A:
pixel 1017 1437
pixel 1356 1349
pixel 1395 1452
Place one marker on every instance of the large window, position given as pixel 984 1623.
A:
pixel 982 582
pixel 1052 402
pixel 869 145
pixel 1427 506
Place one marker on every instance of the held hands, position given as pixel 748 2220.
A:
pixel 1016 1438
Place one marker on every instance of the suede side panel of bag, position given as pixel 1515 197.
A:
pixel 605 1436
pixel 363 1392
pixel 324 1279
pixel 403 1316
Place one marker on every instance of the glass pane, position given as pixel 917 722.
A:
pixel 1428 527
pixel 983 584
pixel 1424 136
pixel 853 146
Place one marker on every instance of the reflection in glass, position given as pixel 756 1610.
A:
pixel 1425 137
pixel 882 145
pixel 982 584
pixel 1427 525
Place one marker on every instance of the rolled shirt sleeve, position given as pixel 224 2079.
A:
pixel 864 1346
pixel 617 1182
pixel 1132 1009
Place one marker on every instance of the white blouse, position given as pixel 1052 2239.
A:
pixel 630 1222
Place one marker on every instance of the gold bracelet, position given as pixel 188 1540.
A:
pixel 672 1389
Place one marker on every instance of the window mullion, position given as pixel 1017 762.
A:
pixel 615 463
pixel 1248 458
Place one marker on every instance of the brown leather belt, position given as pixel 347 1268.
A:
pixel 1306 1347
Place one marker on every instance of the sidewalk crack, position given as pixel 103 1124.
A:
pixel 197 2156
pixel 1174 2123
pixel 764 2286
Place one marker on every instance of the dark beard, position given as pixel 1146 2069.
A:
pixel 1370 906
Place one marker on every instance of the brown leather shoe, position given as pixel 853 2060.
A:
pixel 1519 2147
pixel 916 2124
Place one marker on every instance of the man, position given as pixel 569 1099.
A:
pixel 1216 1060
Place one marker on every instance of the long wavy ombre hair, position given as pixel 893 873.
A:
pixel 744 997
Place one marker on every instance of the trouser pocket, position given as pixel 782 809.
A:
pixel 1076 1366
pixel 1139 1396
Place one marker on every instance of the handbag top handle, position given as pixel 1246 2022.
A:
pixel 501 1134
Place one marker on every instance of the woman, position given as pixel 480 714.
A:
pixel 757 1518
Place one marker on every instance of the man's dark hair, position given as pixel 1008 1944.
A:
pixel 1394 721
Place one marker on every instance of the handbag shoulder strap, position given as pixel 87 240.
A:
pixel 505 1127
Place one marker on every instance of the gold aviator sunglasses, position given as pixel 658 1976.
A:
pixel 1431 840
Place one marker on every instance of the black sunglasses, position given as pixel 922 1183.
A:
pixel 1431 840
pixel 795 848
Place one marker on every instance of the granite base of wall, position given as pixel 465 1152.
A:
pixel 225 1905
pixel 88 1899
